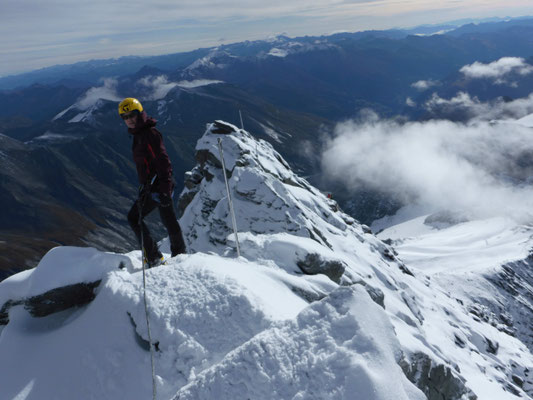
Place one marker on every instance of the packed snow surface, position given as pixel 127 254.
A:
pixel 465 247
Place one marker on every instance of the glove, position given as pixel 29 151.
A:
pixel 165 200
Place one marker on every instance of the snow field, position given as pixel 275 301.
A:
pixel 342 347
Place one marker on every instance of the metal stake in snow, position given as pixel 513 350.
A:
pixel 240 115
pixel 234 222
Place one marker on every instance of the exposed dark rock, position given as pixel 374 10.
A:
pixel 53 301
pixel 492 347
pixel 515 281
pixel 208 207
pixel 389 254
pixel 512 389
pixel 366 229
pixel 405 270
pixel 249 196
pixel 284 163
pixel 193 178
pixel 319 237
pixel 482 313
pixel 459 342
pixel 61 299
pixel 410 301
pixel 506 318
pixel 242 163
pixel 4 311
pixel 437 381
pixel 142 342
pixel 204 156
pixel 375 294
pixel 518 380
pixel 209 176
pixel 334 206
pixel 292 182
pixel 307 295
pixel 184 200
pixel 314 264
pixel 221 128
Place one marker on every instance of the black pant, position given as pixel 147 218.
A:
pixel 168 217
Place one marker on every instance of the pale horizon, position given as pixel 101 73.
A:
pixel 56 33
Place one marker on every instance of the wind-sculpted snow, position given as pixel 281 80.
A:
pixel 61 266
pixel 302 358
pixel 316 307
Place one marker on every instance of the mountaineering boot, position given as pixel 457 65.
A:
pixel 156 262
pixel 177 245
pixel 154 259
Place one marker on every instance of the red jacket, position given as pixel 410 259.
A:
pixel 150 155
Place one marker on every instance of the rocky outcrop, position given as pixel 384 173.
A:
pixel 437 381
pixel 314 264
pixel 53 301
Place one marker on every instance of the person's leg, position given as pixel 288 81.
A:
pixel 168 217
pixel 133 218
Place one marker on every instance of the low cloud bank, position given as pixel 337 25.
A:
pixel 471 108
pixel 108 91
pixel 497 70
pixel 197 83
pixel 480 168
pixel 159 86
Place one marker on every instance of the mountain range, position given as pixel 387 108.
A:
pixel 66 175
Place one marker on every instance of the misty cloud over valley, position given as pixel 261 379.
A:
pixel 480 167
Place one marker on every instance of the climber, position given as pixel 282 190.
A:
pixel 156 183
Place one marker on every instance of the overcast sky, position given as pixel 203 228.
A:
pixel 39 33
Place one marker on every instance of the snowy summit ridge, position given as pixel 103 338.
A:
pixel 316 307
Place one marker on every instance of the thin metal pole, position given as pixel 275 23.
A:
pixel 240 115
pixel 233 220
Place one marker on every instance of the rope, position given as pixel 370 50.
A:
pixel 143 254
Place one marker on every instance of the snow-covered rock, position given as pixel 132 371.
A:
pixel 316 307
pixel 485 267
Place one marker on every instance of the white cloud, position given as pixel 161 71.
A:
pixel 471 108
pixel 425 85
pixel 197 83
pixel 106 92
pixel 497 70
pixel 158 85
pixel 441 164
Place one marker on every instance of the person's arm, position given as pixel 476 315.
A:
pixel 161 162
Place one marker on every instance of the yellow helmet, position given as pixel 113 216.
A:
pixel 129 104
